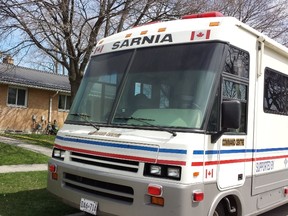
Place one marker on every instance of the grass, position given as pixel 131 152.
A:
pixel 36 139
pixel 13 155
pixel 25 194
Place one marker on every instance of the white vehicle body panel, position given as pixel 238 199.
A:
pixel 251 167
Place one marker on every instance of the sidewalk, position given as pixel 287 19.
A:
pixel 25 167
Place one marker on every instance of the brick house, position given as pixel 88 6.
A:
pixel 30 99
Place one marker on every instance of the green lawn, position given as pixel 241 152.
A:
pixel 25 194
pixel 13 155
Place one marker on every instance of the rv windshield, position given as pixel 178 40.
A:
pixel 163 86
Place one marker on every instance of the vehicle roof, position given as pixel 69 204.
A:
pixel 220 28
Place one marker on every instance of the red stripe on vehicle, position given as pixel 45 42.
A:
pixel 208 163
pixel 172 162
pixel 119 156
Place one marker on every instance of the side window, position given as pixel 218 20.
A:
pixel 237 63
pixel 17 96
pixel 235 81
pixel 275 92
pixel 64 102
pixel 233 90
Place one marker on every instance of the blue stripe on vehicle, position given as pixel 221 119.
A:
pixel 123 146
pixel 175 151
pixel 233 151
pixel 271 149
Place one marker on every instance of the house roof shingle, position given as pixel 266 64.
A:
pixel 26 77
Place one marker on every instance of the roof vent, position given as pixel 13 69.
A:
pixel 203 15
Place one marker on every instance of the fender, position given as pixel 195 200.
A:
pixel 221 195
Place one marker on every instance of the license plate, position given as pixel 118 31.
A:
pixel 88 206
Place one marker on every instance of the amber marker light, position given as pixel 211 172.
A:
pixel 143 32
pixel 161 29
pixel 211 24
pixel 128 35
pixel 195 174
pixel 55 176
pixel 157 201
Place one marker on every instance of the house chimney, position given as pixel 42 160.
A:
pixel 8 60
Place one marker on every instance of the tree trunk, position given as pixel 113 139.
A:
pixel 75 83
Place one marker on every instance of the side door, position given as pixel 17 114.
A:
pixel 232 145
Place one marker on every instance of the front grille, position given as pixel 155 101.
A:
pixel 99 188
pixel 118 164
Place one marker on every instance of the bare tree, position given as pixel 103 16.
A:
pixel 269 17
pixel 67 30
pixel 61 29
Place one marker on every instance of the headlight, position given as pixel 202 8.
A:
pixel 155 170
pixel 58 154
pixel 162 171
pixel 173 172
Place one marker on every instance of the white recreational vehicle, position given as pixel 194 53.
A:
pixel 178 118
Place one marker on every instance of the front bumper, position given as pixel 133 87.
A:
pixel 122 195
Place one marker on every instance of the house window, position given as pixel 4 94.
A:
pixel 17 96
pixel 64 102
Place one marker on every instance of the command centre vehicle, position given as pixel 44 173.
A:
pixel 178 118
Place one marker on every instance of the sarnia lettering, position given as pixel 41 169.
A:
pixel 143 40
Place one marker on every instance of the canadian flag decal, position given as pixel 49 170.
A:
pixel 99 49
pixel 200 35
pixel 209 173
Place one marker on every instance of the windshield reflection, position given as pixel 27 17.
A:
pixel 169 85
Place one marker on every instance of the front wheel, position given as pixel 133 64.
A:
pixel 219 211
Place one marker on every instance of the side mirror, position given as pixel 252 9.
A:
pixel 231 118
pixel 231 114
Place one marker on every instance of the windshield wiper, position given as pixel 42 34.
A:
pixel 145 121
pixel 84 116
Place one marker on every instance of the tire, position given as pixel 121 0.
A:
pixel 219 211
